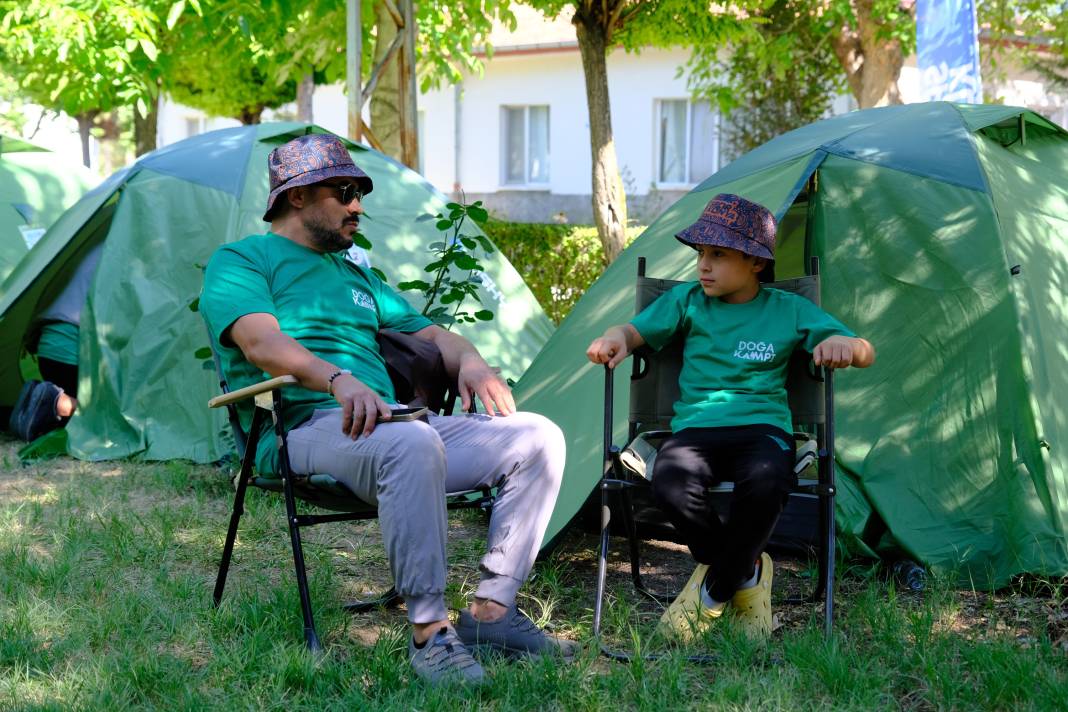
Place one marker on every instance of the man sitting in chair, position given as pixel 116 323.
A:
pixel 287 302
pixel 732 421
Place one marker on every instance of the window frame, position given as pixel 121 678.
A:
pixel 526 184
pixel 686 184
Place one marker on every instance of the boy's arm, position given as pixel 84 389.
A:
pixel 844 351
pixel 616 344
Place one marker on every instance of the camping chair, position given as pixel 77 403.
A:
pixel 321 489
pixel 653 392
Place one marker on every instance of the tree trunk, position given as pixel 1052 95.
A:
pixel 250 115
pixel 385 102
pixel 305 90
pixel 609 200
pixel 145 129
pixel 112 155
pixel 872 62
pixel 85 122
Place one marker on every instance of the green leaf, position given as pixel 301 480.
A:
pixel 443 224
pixel 149 48
pixel 486 244
pixel 176 11
pixel 484 314
pixel 414 284
pixel 479 215
pixel 202 353
pixel 451 298
pixel 426 217
pixel 434 266
pixel 468 243
pixel 467 262
pixel 194 306
pixel 361 241
pixel 380 274
pixel 453 206
pixel 437 246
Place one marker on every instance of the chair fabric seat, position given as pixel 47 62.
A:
pixel 325 491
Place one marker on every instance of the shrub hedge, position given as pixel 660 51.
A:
pixel 558 262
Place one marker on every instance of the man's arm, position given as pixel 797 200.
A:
pixel 473 374
pixel 261 340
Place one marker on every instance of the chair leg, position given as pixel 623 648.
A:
pixel 231 536
pixel 311 637
pixel 386 600
pixel 627 509
pixel 828 567
pixel 602 561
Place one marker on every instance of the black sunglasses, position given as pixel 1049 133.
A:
pixel 346 192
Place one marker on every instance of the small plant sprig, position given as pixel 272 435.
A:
pixel 444 293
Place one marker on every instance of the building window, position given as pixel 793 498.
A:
pixel 525 145
pixel 195 125
pixel 687 141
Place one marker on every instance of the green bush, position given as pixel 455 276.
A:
pixel 558 262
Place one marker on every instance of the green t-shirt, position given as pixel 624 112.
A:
pixel 59 342
pixel 330 306
pixel 735 355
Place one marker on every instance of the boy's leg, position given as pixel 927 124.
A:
pixel 761 464
pixel 759 459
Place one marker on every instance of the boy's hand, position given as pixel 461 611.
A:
pixel 834 352
pixel 610 349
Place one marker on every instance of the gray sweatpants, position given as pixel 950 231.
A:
pixel 407 468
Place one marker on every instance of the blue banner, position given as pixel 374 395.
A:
pixel 947 51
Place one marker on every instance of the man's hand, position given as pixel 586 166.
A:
pixel 834 352
pixel 610 348
pixel 361 407
pixel 477 378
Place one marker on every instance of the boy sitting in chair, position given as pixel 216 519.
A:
pixel 732 421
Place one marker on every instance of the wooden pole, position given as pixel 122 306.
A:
pixel 409 116
pixel 354 66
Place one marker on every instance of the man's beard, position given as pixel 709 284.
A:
pixel 328 239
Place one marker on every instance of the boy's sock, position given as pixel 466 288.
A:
pixel 706 597
pixel 708 602
pixel 752 580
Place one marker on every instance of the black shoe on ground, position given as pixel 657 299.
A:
pixel 35 411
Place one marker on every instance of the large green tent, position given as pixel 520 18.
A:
pixel 943 238
pixel 35 188
pixel 143 390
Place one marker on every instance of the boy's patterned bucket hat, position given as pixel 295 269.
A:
pixel 311 159
pixel 732 221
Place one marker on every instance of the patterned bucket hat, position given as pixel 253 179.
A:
pixel 732 221
pixel 311 159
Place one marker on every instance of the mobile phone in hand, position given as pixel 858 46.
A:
pixel 403 415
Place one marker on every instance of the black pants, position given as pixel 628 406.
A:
pixel 64 375
pixel 759 459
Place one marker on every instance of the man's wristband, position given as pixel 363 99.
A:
pixel 335 374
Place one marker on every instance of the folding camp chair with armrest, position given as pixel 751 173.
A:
pixel 653 392
pixel 319 489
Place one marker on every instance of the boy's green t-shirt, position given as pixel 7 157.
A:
pixel 735 355
pixel 330 306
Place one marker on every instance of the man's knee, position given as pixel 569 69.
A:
pixel 542 438
pixel 416 449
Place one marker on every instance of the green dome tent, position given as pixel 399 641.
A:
pixel 35 189
pixel 143 390
pixel 943 239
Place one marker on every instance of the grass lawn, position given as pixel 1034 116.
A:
pixel 106 572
